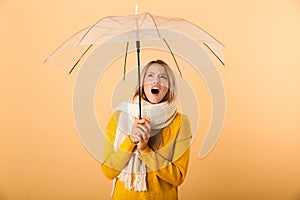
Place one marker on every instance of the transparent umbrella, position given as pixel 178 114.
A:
pixel 113 36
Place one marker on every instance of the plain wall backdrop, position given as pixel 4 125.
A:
pixel 258 154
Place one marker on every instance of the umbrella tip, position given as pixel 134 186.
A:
pixel 136 9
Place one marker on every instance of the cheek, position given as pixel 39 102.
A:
pixel 148 80
pixel 164 91
pixel 147 89
pixel 164 82
pixel 147 83
pixel 165 85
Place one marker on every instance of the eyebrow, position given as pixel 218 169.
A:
pixel 158 73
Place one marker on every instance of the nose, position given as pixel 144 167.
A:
pixel 156 81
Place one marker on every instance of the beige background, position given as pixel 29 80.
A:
pixel 258 155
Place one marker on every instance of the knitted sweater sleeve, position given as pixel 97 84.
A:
pixel 114 161
pixel 171 169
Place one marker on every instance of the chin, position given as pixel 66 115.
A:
pixel 154 101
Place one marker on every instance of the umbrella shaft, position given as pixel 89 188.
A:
pixel 139 77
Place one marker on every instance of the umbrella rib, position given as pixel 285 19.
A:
pixel 119 22
pixel 202 30
pixel 173 56
pixel 143 20
pixel 95 24
pixel 191 23
pixel 165 21
pixel 125 61
pixel 63 45
pixel 106 33
pixel 155 25
pixel 211 36
pixel 80 58
pixel 214 53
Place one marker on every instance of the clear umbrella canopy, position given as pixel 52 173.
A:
pixel 132 28
pixel 111 38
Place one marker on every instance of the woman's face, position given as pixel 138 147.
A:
pixel 156 83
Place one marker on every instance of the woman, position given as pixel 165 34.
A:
pixel 148 158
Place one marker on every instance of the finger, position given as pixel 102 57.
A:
pixel 138 128
pixel 143 137
pixel 143 128
pixel 134 138
pixel 142 131
pixel 143 142
pixel 148 126
pixel 139 134
pixel 146 130
pixel 141 121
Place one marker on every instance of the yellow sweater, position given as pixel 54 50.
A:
pixel 166 167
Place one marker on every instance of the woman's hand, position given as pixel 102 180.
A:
pixel 140 133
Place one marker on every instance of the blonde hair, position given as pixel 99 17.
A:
pixel 171 81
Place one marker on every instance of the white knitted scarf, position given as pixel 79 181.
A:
pixel 159 116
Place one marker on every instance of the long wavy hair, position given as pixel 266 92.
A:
pixel 156 140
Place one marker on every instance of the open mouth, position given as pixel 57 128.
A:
pixel 154 90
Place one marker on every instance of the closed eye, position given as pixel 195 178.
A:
pixel 149 75
pixel 163 76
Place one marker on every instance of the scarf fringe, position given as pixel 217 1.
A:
pixel 126 179
pixel 140 184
